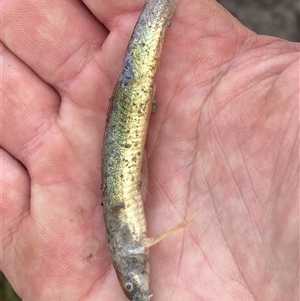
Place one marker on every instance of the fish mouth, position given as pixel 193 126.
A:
pixel 144 297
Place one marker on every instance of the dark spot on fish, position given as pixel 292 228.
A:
pixel 127 74
pixel 117 205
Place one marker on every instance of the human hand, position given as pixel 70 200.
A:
pixel 222 144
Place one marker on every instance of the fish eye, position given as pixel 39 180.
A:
pixel 129 286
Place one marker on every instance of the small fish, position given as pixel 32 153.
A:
pixel 124 140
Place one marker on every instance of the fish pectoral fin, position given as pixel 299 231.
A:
pixel 151 241
pixel 137 251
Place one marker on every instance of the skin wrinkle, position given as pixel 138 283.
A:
pixel 278 166
pixel 14 68
pixel 255 47
pixel 106 271
pixel 148 150
pixel 285 173
pixel 258 69
pixel 284 210
pixel 293 95
pixel 64 127
pixel 225 280
pixel 251 88
pixel 244 143
pixel 118 21
pixel 295 149
pixel 230 250
pixel 212 118
pixel 21 213
pixel 246 283
pixel 124 9
pixel 37 140
pixel 201 178
pixel 282 150
pixel 198 244
pixel 256 152
pixel 223 234
pixel 118 36
pixel 186 216
pixel 169 197
pixel 216 80
pixel 63 85
pixel 16 102
pixel 26 152
pixel 62 66
pixel 177 273
pixel 255 193
pixel 260 215
pixel 235 181
pixel 231 170
pixel 170 201
pixel 162 191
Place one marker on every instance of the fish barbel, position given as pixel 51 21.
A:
pixel 124 140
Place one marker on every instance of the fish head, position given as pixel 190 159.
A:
pixel 134 277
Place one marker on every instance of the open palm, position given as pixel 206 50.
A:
pixel 222 145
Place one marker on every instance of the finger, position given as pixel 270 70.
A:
pixel 65 51
pixel 55 41
pixel 114 13
pixel 27 106
pixel 119 17
pixel 15 195
pixel 31 244
pixel 58 40
pixel 62 35
pixel 30 131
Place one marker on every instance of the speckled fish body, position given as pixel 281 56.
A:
pixel 124 141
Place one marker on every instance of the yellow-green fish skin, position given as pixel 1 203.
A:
pixel 124 141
